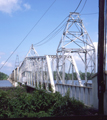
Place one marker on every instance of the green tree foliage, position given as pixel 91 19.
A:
pixel 18 103
pixel 68 76
pixel 3 76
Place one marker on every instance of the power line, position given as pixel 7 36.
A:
pixel 83 6
pixel 29 33
pixel 56 27
pixel 33 28
pixel 53 35
pixel 50 33
pixel 90 13
pixel 78 5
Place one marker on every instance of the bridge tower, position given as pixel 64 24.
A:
pixel 75 40
pixel 32 52
pixel 17 61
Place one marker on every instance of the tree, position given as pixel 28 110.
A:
pixel 3 76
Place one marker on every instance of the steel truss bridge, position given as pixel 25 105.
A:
pixel 50 71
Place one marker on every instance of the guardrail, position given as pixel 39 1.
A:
pixel 81 93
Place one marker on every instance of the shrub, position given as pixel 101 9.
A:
pixel 18 103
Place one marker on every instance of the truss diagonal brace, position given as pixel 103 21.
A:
pixel 50 73
pixel 76 69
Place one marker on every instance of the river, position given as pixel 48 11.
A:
pixel 69 82
pixel 5 83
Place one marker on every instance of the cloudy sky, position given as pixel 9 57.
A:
pixel 18 17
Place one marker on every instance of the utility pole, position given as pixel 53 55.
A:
pixel 101 70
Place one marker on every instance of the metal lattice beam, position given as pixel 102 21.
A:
pixel 75 39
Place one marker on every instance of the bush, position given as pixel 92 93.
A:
pixel 18 103
pixel 3 104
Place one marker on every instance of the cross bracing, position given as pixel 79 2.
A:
pixel 75 39
pixel 37 70
pixel 42 71
pixel 32 52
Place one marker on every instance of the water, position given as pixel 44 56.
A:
pixel 77 83
pixel 5 83
pixel 69 82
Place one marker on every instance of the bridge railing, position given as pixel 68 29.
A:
pixel 81 93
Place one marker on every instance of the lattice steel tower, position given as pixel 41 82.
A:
pixel 75 39
pixel 32 52
pixel 17 61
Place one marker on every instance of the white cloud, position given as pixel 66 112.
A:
pixel 11 52
pixel 27 6
pixel 1 53
pixel 76 57
pixel 10 6
pixel 8 64
pixel 96 46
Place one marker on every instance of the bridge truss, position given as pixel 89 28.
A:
pixel 53 71
pixel 41 71
pixel 38 71
pixel 45 71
